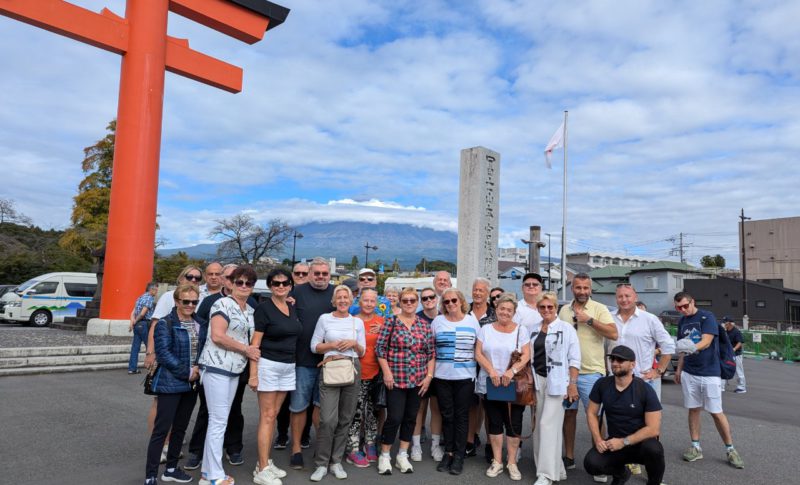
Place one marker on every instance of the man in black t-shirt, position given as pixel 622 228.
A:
pixel 737 341
pixel 633 415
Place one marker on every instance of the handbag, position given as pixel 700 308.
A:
pixel 148 381
pixel 377 390
pixel 339 371
pixel 523 379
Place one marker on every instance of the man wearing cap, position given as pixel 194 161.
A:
pixel 735 336
pixel 527 315
pixel 368 279
pixel 633 415
pixel 642 332
pixel 698 373
pixel 594 324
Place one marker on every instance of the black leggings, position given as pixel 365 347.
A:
pixel 172 411
pixel 455 398
pixel 401 412
pixel 500 416
pixel 649 453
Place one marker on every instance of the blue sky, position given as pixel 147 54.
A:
pixel 681 113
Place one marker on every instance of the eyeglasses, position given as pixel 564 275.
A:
pixel 685 306
pixel 452 301
pixel 281 283
pixel 321 273
pixel 366 278
pixel 614 358
pixel 189 302
pixel 428 298
pixel 531 285
pixel 547 307
pixel 408 301
pixel 246 283
pixel 213 274
pixel 624 285
pixel 300 273
pixel 192 277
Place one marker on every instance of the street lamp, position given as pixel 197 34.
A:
pixel 295 237
pixel 366 255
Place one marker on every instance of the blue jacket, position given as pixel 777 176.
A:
pixel 172 354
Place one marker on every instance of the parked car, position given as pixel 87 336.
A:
pixel 51 297
pixel 669 317
pixel 6 295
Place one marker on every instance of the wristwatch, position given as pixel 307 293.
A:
pixel 513 370
pixel 626 441
pixel 590 321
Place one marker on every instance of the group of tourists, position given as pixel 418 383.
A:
pixel 366 369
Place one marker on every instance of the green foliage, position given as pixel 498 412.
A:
pixel 709 261
pixel 26 252
pixel 395 266
pixel 435 265
pixel 354 263
pixel 166 270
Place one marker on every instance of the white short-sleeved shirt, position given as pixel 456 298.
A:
pixel 527 316
pixel 164 306
pixel 497 347
pixel 455 347
pixel 331 329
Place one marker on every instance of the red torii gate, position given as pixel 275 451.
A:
pixel 147 51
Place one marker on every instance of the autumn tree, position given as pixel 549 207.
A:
pixel 243 240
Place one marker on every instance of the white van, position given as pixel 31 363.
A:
pixel 51 297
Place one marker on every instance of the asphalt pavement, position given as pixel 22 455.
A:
pixel 90 427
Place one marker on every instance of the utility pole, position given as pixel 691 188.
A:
pixel 533 248
pixel 549 262
pixel 678 251
pixel 745 318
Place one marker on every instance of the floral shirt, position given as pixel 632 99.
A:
pixel 382 309
pixel 407 351
pixel 216 359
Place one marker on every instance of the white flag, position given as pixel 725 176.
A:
pixel 556 141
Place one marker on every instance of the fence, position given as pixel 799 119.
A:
pixel 768 339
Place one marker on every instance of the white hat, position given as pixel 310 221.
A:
pixel 365 271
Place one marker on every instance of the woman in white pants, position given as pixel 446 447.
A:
pixel 556 359
pixel 224 358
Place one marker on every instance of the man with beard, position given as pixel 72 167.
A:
pixel 633 415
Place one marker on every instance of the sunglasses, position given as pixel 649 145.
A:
pixel 366 278
pixel 614 358
pixel 452 301
pixel 189 302
pixel 246 283
pixel 532 285
pixel 429 298
pixel 213 274
pixel 546 307
pixel 685 306
pixel 281 283
pixel 300 273
pixel 408 301
pixel 192 277
pixel 321 273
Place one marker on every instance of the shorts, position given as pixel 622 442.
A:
pixel 306 390
pixel 585 385
pixel 702 391
pixel 275 376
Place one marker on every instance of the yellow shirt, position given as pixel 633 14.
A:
pixel 593 353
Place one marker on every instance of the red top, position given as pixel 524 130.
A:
pixel 369 363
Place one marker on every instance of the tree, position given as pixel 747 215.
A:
pixel 395 266
pixel 245 241
pixel 435 265
pixel 709 261
pixel 166 270
pixel 354 263
pixel 90 207
pixel 9 213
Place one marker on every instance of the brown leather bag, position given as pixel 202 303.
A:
pixel 523 379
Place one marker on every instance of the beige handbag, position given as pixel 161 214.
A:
pixel 340 371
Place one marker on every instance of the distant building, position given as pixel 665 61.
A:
pixel 657 283
pixel 601 260
pixel 516 255
pixel 772 251
pixel 605 281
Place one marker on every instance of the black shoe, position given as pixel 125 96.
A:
pixel 194 462
pixel 133 372
pixel 488 453
pixel 444 465
pixel 305 442
pixel 471 451
pixel 235 459
pixel 457 465
pixel 176 475
pixel 569 463
pixel 296 461
pixel 622 479
pixel 281 442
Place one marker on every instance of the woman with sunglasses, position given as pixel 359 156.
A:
pixel 179 338
pixel 405 351
pixel 273 375
pixel 496 343
pixel 338 335
pixel 455 332
pixel 429 312
pixel 556 361
pixel 365 421
pixel 224 358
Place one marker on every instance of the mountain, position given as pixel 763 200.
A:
pixel 343 240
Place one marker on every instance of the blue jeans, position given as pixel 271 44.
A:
pixel 139 338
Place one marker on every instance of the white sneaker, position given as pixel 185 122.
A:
pixel 513 472
pixel 494 469
pixel 384 465
pixel 437 452
pixel 543 480
pixel 416 453
pixel 319 473
pixel 338 471
pixel 600 478
pixel 265 477
pixel 402 463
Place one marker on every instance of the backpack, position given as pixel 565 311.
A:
pixel 727 362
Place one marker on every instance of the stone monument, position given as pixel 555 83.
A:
pixel 478 217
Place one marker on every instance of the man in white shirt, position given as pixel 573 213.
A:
pixel 527 315
pixel 642 331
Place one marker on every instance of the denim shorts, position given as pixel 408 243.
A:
pixel 585 385
pixel 306 391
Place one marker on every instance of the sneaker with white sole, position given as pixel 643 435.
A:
pixel 319 473
pixel 735 460
pixel 543 480
pixel 513 471
pixel 600 478
pixel 384 465
pixel 693 453
pixel 176 475
pixel 265 477
pixel 437 452
pixel 338 471
pixel 494 469
pixel 402 463
pixel 416 453
pixel 739 390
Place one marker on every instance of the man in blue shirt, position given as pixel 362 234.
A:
pixel 698 374
pixel 140 317
pixel 735 336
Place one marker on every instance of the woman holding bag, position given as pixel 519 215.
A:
pixel 556 361
pixel 496 344
pixel 340 336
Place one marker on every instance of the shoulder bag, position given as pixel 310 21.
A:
pixel 523 379
pixel 339 371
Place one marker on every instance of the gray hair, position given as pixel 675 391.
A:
pixel 391 289
pixel 483 281
pixel 318 261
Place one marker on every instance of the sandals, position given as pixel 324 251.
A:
pixel 228 480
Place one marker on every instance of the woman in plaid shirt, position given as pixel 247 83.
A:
pixel 405 352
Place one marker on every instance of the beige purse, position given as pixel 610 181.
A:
pixel 341 371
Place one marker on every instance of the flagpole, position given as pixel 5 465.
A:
pixel 564 220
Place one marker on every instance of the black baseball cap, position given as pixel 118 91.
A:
pixel 532 275
pixel 727 319
pixel 622 352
